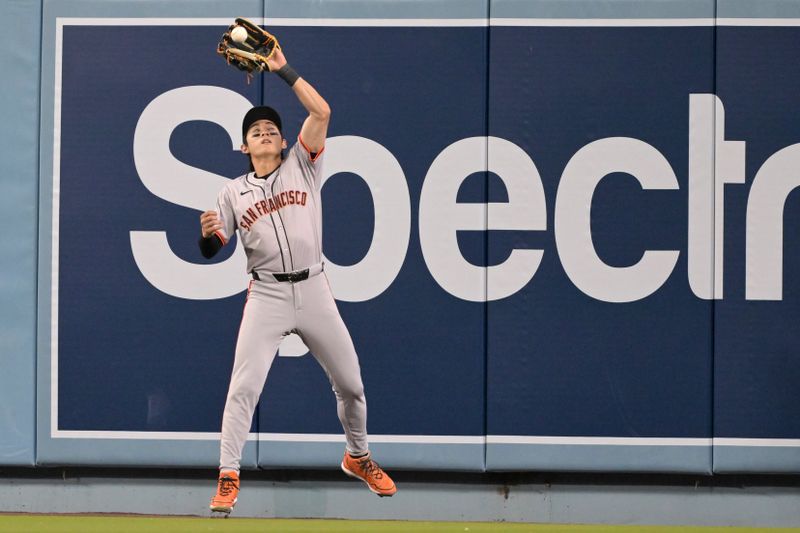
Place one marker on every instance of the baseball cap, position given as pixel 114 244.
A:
pixel 260 112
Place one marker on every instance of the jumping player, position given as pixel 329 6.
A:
pixel 276 209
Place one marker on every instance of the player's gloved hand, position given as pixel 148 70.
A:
pixel 254 53
pixel 209 223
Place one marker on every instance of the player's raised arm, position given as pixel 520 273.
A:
pixel 315 127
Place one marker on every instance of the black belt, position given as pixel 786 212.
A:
pixel 291 277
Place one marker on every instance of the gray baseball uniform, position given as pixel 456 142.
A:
pixel 279 219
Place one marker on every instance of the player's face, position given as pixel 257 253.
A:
pixel 263 140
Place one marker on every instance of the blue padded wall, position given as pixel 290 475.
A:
pixel 560 233
pixel 18 184
pixel 756 363
pixel 578 357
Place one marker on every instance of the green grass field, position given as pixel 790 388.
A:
pixel 142 524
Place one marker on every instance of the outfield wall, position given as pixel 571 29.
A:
pixel 560 233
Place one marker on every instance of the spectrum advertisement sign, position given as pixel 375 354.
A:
pixel 586 241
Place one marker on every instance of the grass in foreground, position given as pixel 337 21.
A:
pixel 146 524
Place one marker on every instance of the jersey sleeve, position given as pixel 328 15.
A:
pixel 227 217
pixel 310 163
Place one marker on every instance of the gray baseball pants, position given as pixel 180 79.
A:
pixel 272 310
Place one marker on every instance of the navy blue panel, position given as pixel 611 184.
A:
pixel 757 368
pixel 417 344
pixel 559 361
pixel 124 345
pixel 421 350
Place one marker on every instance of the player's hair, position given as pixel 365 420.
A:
pixel 261 113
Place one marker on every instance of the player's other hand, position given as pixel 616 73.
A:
pixel 276 61
pixel 209 223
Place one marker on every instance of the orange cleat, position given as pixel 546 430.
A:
pixel 368 471
pixel 227 493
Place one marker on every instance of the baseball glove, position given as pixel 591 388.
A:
pixel 251 55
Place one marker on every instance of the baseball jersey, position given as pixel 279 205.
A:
pixel 279 218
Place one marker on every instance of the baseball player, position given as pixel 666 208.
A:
pixel 276 210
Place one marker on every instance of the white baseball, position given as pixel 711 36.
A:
pixel 239 34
